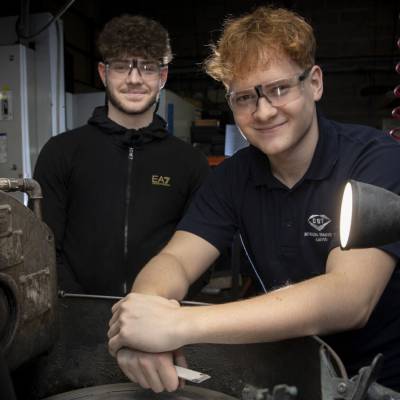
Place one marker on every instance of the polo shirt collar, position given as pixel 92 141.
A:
pixel 324 159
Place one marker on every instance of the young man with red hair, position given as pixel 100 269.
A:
pixel 282 194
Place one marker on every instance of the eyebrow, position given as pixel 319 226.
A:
pixel 270 83
pixel 130 59
pixel 279 80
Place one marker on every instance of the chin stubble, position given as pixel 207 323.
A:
pixel 118 105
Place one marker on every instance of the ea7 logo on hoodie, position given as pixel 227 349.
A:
pixel 318 222
pixel 159 180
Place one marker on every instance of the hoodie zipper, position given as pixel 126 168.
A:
pixel 127 203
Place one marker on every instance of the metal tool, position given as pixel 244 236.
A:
pixel 184 373
pixel 63 294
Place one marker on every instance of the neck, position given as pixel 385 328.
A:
pixel 291 166
pixel 130 121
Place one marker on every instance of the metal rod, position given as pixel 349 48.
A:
pixel 63 294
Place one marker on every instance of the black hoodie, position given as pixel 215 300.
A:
pixel 112 197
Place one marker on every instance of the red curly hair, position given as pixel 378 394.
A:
pixel 254 39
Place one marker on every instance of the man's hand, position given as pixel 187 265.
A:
pixel 153 371
pixel 146 323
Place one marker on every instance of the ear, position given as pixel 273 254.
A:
pixel 163 76
pixel 101 68
pixel 316 82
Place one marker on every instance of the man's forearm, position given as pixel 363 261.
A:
pixel 290 312
pixel 316 306
pixel 341 299
pixel 163 276
pixel 176 267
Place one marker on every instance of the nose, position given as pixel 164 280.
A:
pixel 265 110
pixel 134 76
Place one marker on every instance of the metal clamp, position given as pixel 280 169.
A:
pixel 335 387
pixel 279 392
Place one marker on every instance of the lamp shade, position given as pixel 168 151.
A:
pixel 369 216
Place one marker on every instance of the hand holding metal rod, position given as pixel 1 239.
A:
pixel 184 373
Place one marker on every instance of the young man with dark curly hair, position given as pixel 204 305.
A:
pixel 115 188
pixel 282 194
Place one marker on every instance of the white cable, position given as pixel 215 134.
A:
pixel 333 354
pixel 252 265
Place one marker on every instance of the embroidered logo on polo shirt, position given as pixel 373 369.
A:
pixel 319 222
pixel 160 180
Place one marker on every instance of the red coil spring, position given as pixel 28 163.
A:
pixel 395 132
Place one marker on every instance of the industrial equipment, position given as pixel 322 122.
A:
pixel 56 347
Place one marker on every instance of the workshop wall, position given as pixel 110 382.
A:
pixel 356 48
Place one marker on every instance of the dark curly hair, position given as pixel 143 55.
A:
pixel 129 35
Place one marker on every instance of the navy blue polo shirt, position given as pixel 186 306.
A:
pixel 289 233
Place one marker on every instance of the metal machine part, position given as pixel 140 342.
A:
pixel 360 387
pixel 70 352
pixel 28 186
pixel 129 391
pixel 80 359
pixel 279 392
pixel 9 311
pixel 28 294
pixel 63 294
pixel 191 375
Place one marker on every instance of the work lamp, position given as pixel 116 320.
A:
pixel 369 216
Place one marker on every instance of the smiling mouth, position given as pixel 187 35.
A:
pixel 134 92
pixel 134 96
pixel 270 127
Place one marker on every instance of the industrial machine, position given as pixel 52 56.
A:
pixel 55 348
pixel 27 276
